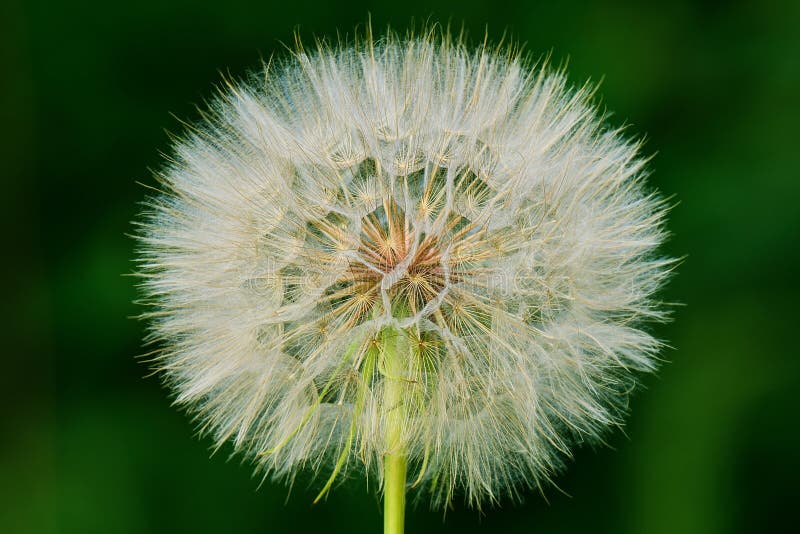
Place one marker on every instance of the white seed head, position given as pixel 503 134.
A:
pixel 468 201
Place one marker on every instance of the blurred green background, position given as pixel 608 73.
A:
pixel 91 445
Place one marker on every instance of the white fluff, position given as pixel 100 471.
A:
pixel 469 200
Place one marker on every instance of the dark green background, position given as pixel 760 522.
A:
pixel 91 445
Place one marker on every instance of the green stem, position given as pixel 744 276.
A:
pixel 394 461
pixel 394 493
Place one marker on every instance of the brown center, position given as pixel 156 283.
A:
pixel 387 244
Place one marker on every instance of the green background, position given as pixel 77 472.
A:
pixel 89 444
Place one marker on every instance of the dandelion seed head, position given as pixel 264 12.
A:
pixel 470 201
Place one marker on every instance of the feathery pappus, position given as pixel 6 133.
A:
pixel 404 237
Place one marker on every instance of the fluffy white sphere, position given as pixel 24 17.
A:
pixel 466 206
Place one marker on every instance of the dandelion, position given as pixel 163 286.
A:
pixel 407 258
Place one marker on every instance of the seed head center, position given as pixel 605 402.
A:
pixel 389 250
